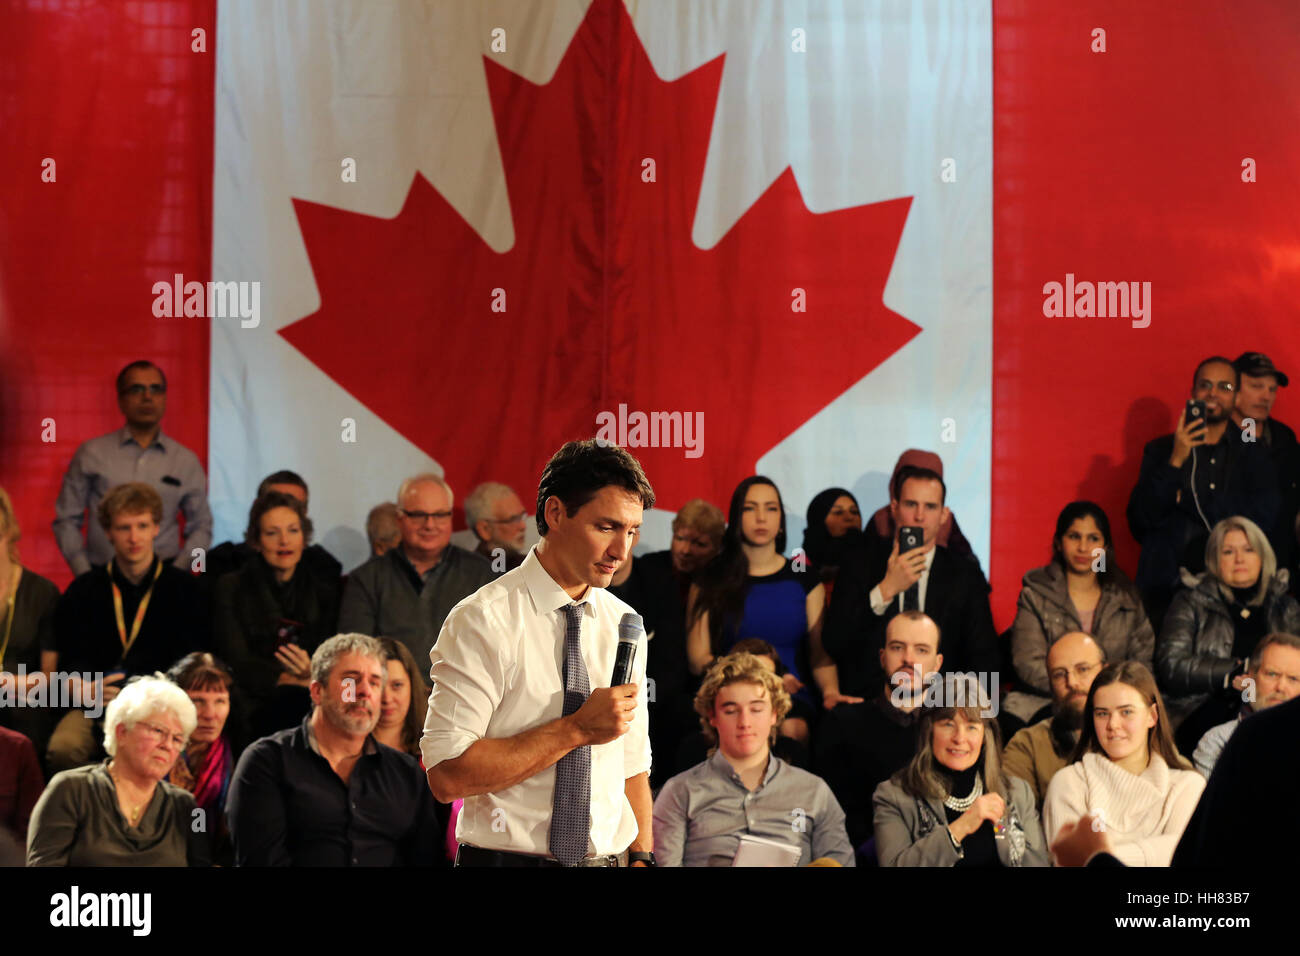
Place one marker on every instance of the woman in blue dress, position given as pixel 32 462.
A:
pixel 751 590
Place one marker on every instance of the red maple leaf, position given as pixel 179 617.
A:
pixel 607 299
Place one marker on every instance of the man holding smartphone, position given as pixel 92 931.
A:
pixel 1192 479
pixel 917 574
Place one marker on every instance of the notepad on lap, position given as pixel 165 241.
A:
pixel 759 851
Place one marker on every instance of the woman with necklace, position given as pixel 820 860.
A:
pixel 952 805
pixel 122 812
pixel 1126 771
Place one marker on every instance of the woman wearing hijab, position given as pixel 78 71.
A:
pixel 834 530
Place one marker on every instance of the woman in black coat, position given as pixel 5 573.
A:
pixel 268 619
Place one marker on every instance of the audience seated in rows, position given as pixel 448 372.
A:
pixel 138 452
pixel 315 560
pixel 135 616
pixel 658 586
pixel 407 592
pixel 270 615
pixel 27 607
pixel 499 520
pixel 1193 479
pixel 1273 678
pixel 1214 623
pixel 1038 752
pixel 1080 589
pixel 286 806
pixel 122 812
pixel 952 805
pixel 860 745
pixel 702 816
pixel 877 584
pixel 1126 771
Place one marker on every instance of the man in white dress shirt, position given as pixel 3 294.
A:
pixel 552 763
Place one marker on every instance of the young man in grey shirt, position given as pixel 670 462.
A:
pixel 744 789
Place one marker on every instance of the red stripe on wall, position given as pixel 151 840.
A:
pixel 114 94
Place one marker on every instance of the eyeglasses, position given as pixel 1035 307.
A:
pixel 1221 386
pixel 513 519
pixel 163 734
pixel 420 517
pixel 1080 671
pixel 136 391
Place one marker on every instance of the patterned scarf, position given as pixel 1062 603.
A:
pixel 212 778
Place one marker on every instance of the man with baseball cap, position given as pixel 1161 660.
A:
pixel 1260 380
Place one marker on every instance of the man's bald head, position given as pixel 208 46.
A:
pixel 1072 663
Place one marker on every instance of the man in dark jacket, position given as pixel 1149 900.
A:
pixel 874 585
pixel 1192 479
pixel 136 615
pixel 1252 413
pixel 407 592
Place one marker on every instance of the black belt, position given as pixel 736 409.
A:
pixel 467 855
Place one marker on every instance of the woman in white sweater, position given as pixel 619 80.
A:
pixel 1127 772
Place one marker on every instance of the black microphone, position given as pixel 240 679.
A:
pixel 630 632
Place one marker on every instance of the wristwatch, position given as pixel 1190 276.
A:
pixel 640 856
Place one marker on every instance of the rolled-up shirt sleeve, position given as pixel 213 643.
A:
pixel 468 684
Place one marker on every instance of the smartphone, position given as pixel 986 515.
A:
pixel 288 632
pixel 1195 411
pixel 910 537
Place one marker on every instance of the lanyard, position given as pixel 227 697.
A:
pixel 139 613
pixel 9 617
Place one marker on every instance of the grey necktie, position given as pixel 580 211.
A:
pixel 571 805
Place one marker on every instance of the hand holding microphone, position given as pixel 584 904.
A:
pixel 607 714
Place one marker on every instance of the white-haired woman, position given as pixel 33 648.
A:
pixel 121 812
pixel 1213 625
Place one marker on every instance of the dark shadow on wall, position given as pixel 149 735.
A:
pixel 1109 483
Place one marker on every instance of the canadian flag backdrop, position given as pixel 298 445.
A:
pixel 825 227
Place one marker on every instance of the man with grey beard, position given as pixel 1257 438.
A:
pixel 326 793
pixel 1038 751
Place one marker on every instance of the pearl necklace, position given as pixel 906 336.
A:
pixel 963 804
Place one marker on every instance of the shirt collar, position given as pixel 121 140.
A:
pixel 309 737
pixel 721 765
pixel 547 595
pixel 124 437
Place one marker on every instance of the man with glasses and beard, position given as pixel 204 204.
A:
pixel 1038 751
pixel 407 592
pixel 858 746
pixel 285 805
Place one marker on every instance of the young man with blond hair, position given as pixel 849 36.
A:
pixel 743 788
